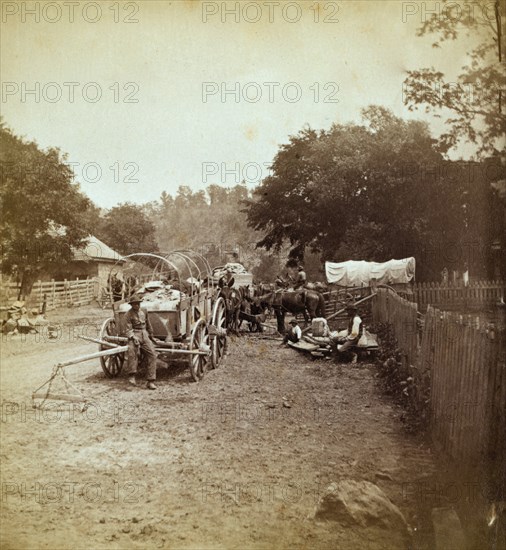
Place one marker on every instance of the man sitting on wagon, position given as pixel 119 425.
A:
pixel 140 337
pixel 348 338
pixel 300 279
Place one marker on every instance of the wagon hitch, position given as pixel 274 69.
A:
pixel 58 374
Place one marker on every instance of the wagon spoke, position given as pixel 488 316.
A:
pixel 111 364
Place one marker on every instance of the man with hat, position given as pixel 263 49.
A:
pixel 300 279
pixel 353 331
pixel 140 335
pixel 294 333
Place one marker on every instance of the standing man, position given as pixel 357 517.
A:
pixel 140 337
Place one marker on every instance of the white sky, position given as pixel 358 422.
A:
pixel 167 56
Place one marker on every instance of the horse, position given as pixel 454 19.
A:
pixel 318 286
pixel 233 298
pixel 251 312
pixel 131 285
pixel 308 302
pixel 116 287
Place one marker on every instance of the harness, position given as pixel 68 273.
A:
pixel 232 298
pixel 276 299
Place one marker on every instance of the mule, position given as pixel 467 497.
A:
pixel 308 302
pixel 253 314
pixel 233 298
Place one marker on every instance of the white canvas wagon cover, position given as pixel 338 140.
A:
pixel 359 273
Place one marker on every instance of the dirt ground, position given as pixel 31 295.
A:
pixel 238 460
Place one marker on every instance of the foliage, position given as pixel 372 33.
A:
pixel 210 222
pixel 42 210
pixel 127 229
pixel 476 100
pixel 403 384
pixel 373 191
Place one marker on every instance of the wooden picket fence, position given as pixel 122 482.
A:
pixel 456 297
pixel 389 307
pixel 54 293
pixel 461 360
pixel 468 387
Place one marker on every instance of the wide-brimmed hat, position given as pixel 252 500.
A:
pixel 135 299
pixel 293 321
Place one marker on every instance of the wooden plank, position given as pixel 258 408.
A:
pixel 466 410
pixel 456 359
pixel 303 346
pixel 104 353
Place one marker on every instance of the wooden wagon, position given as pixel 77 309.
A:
pixel 188 319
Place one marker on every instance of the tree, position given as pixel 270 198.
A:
pixel 476 100
pixel 126 229
pixel 363 192
pixel 44 214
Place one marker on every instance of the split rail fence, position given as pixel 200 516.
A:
pixel 54 293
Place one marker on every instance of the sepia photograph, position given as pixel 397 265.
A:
pixel 252 275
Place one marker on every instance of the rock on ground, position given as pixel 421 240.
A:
pixel 362 503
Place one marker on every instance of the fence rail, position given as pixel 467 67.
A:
pixel 336 298
pixel 54 293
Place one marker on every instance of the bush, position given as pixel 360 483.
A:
pixel 404 383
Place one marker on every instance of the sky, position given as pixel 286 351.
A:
pixel 146 96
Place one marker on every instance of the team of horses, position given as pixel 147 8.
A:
pixel 251 304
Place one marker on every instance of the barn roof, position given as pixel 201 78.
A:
pixel 96 250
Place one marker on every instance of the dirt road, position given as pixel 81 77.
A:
pixel 236 461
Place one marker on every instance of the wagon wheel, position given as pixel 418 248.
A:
pixel 219 343
pixel 199 341
pixel 111 364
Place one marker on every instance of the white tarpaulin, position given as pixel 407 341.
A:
pixel 359 273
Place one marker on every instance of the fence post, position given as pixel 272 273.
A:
pixel 53 293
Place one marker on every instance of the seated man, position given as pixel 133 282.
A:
pixel 352 334
pixel 140 335
pixel 294 333
pixel 300 279
pixel 280 282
